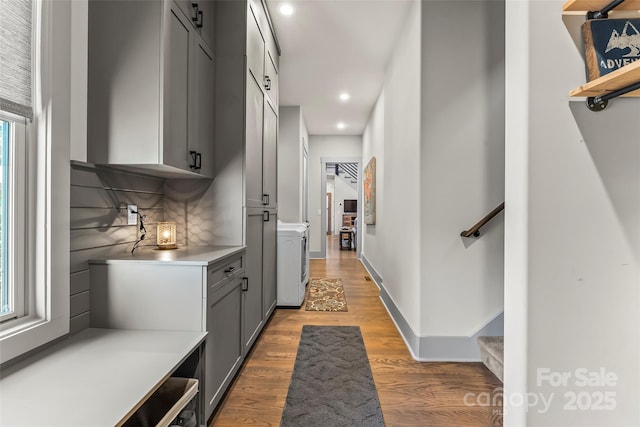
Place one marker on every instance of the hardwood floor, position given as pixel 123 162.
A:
pixel 411 393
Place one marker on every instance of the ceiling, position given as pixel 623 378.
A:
pixel 334 46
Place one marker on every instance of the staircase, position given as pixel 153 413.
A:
pixel 492 354
pixel 348 172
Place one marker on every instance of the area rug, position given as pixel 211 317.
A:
pixel 325 295
pixel 331 384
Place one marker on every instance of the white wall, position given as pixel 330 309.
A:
pixel 575 265
pixel 319 147
pixel 393 136
pixel 462 165
pixel 373 146
pixel 437 132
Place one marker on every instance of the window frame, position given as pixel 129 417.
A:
pixel 47 194
pixel 15 221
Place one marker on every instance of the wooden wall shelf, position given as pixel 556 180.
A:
pixel 624 81
pixel 611 82
pixel 591 5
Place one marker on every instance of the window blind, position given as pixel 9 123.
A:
pixel 15 57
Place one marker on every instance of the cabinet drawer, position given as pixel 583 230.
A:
pixel 217 274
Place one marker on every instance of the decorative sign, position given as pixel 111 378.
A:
pixel 370 192
pixel 610 44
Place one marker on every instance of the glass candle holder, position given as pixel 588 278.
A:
pixel 166 237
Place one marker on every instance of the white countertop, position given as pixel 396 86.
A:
pixel 95 378
pixel 187 255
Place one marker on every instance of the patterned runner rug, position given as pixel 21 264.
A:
pixel 325 295
pixel 332 384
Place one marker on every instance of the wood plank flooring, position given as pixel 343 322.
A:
pixel 411 393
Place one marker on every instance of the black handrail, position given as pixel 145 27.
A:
pixel 475 230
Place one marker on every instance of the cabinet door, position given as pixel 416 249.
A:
pixel 255 48
pixel 224 342
pixel 253 155
pixel 271 78
pixel 269 262
pixel 270 157
pixel 207 20
pixel 175 139
pixel 252 296
pixel 202 119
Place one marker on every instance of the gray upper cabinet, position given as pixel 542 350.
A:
pixel 202 15
pixel 270 157
pixel 254 141
pixel 202 118
pixel 151 80
pixel 255 48
pixel 271 77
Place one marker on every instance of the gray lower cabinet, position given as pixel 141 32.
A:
pixel 191 289
pixel 260 297
pixel 269 262
pixel 224 323
pixel 252 298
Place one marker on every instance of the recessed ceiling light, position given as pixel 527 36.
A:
pixel 286 9
pixel 344 96
pixel 341 125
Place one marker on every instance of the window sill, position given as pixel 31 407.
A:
pixel 27 333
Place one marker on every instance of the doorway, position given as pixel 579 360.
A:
pixel 341 181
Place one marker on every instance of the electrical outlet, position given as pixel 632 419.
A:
pixel 132 214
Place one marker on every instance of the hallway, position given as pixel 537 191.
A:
pixel 411 393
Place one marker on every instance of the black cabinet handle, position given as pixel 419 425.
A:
pixel 194 159
pixel 194 18
pixel 245 284
pixel 199 19
pixel 267 84
pixel 265 199
pixel 266 216
pixel 198 161
pixel 230 269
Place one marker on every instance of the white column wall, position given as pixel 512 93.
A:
pixel 582 206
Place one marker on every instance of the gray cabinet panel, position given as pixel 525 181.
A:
pixel 269 262
pixel 255 48
pixel 122 113
pixel 224 350
pixel 175 151
pixel 207 31
pixel 203 109
pixel 271 78
pixel 253 150
pixel 252 301
pixel 270 156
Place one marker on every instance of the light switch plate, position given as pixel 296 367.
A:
pixel 132 214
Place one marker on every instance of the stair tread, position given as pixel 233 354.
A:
pixel 492 354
